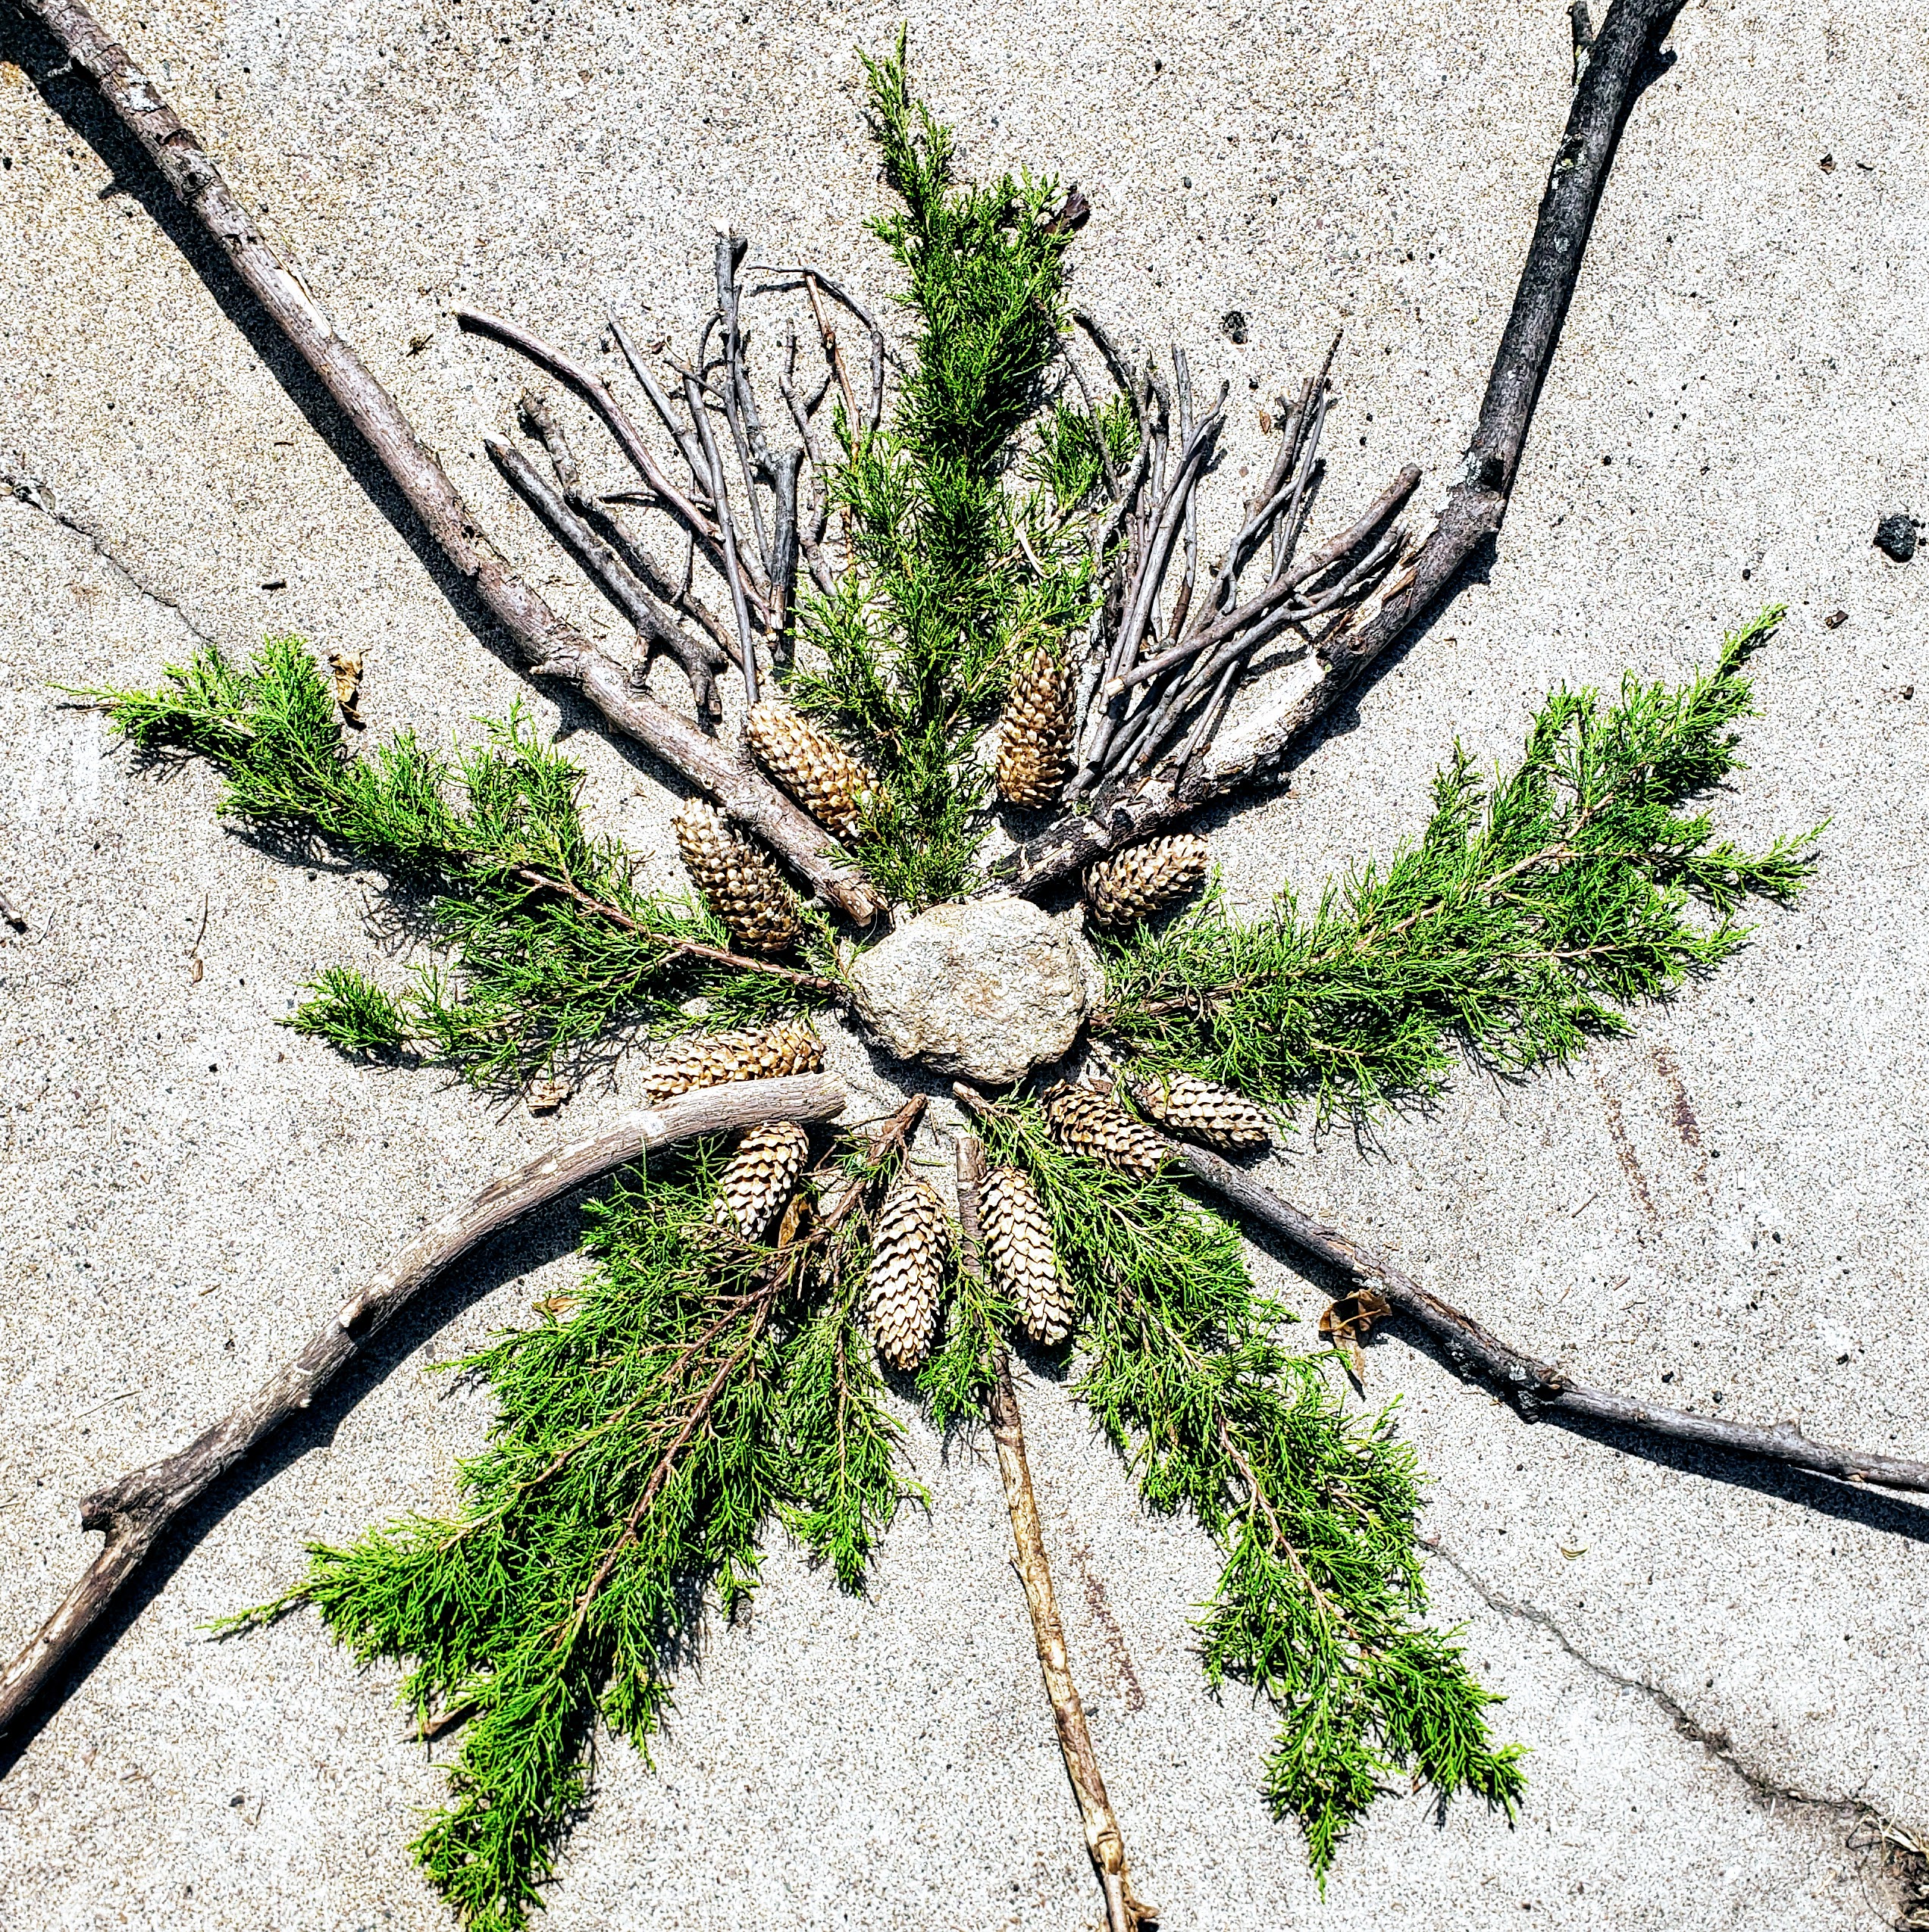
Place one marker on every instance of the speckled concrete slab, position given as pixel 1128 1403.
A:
pixel 1712 1669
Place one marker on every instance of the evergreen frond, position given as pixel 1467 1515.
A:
pixel 1535 908
pixel 917 644
pixel 542 975
pixel 1320 1598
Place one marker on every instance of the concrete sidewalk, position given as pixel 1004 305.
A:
pixel 1715 1668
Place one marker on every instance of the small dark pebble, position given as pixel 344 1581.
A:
pixel 1826 163
pixel 1901 694
pixel 1895 534
pixel 1835 620
pixel 1233 323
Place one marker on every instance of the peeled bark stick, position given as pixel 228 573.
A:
pixel 1536 1388
pixel 1125 813
pixel 548 647
pixel 137 1510
pixel 1124 1911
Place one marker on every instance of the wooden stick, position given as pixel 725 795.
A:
pixel 1124 1911
pixel 1128 810
pixel 137 1511
pixel 1535 1387
pixel 547 646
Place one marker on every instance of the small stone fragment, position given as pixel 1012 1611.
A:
pixel 1895 535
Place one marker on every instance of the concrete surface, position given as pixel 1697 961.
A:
pixel 1713 1667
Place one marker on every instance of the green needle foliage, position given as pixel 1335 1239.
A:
pixel 1320 1601
pixel 919 641
pixel 493 840
pixel 700 1389
pixel 1532 912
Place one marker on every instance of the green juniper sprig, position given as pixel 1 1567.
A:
pixel 954 575
pixel 556 947
pixel 1319 1601
pixel 700 1389
pixel 1533 910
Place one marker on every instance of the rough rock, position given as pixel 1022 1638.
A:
pixel 989 989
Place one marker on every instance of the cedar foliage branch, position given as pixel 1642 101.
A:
pixel 540 975
pixel 700 1388
pixel 1535 908
pixel 1319 1602
pixel 917 644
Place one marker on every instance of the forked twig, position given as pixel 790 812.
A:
pixel 137 1511
pixel 1124 1911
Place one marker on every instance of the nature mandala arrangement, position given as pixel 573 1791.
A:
pixel 969 593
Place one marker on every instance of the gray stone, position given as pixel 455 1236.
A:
pixel 989 989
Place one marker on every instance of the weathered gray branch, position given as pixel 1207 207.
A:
pixel 1104 1841
pixel 1536 1388
pixel 137 1511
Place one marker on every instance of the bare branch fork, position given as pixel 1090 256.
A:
pixel 1124 1911
pixel 135 1511
pixel 1536 1388
pixel 1146 790
pixel 547 646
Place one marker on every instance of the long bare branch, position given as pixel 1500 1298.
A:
pixel 1536 1388
pixel 1124 1911
pixel 137 1510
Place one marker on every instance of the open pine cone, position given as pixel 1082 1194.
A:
pixel 740 886
pixel 1024 1264
pixel 761 1176
pixel 833 787
pixel 713 1060
pixel 1201 1110
pixel 1126 886
pixel 1035 731
pixel 907 1273
pixel 1084 1121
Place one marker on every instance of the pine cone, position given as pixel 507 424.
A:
pixel 1035 731
pixel 761 1176
pixel 907 1271
pixel 742 887
pixel 816 771
pixel 712 1059
pixel 1132 885
pixel 1199 1110
pixel 1084 1121
pixel 1017 1238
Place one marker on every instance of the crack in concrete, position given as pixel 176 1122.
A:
pixel 1718 1744
pixel 19 481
